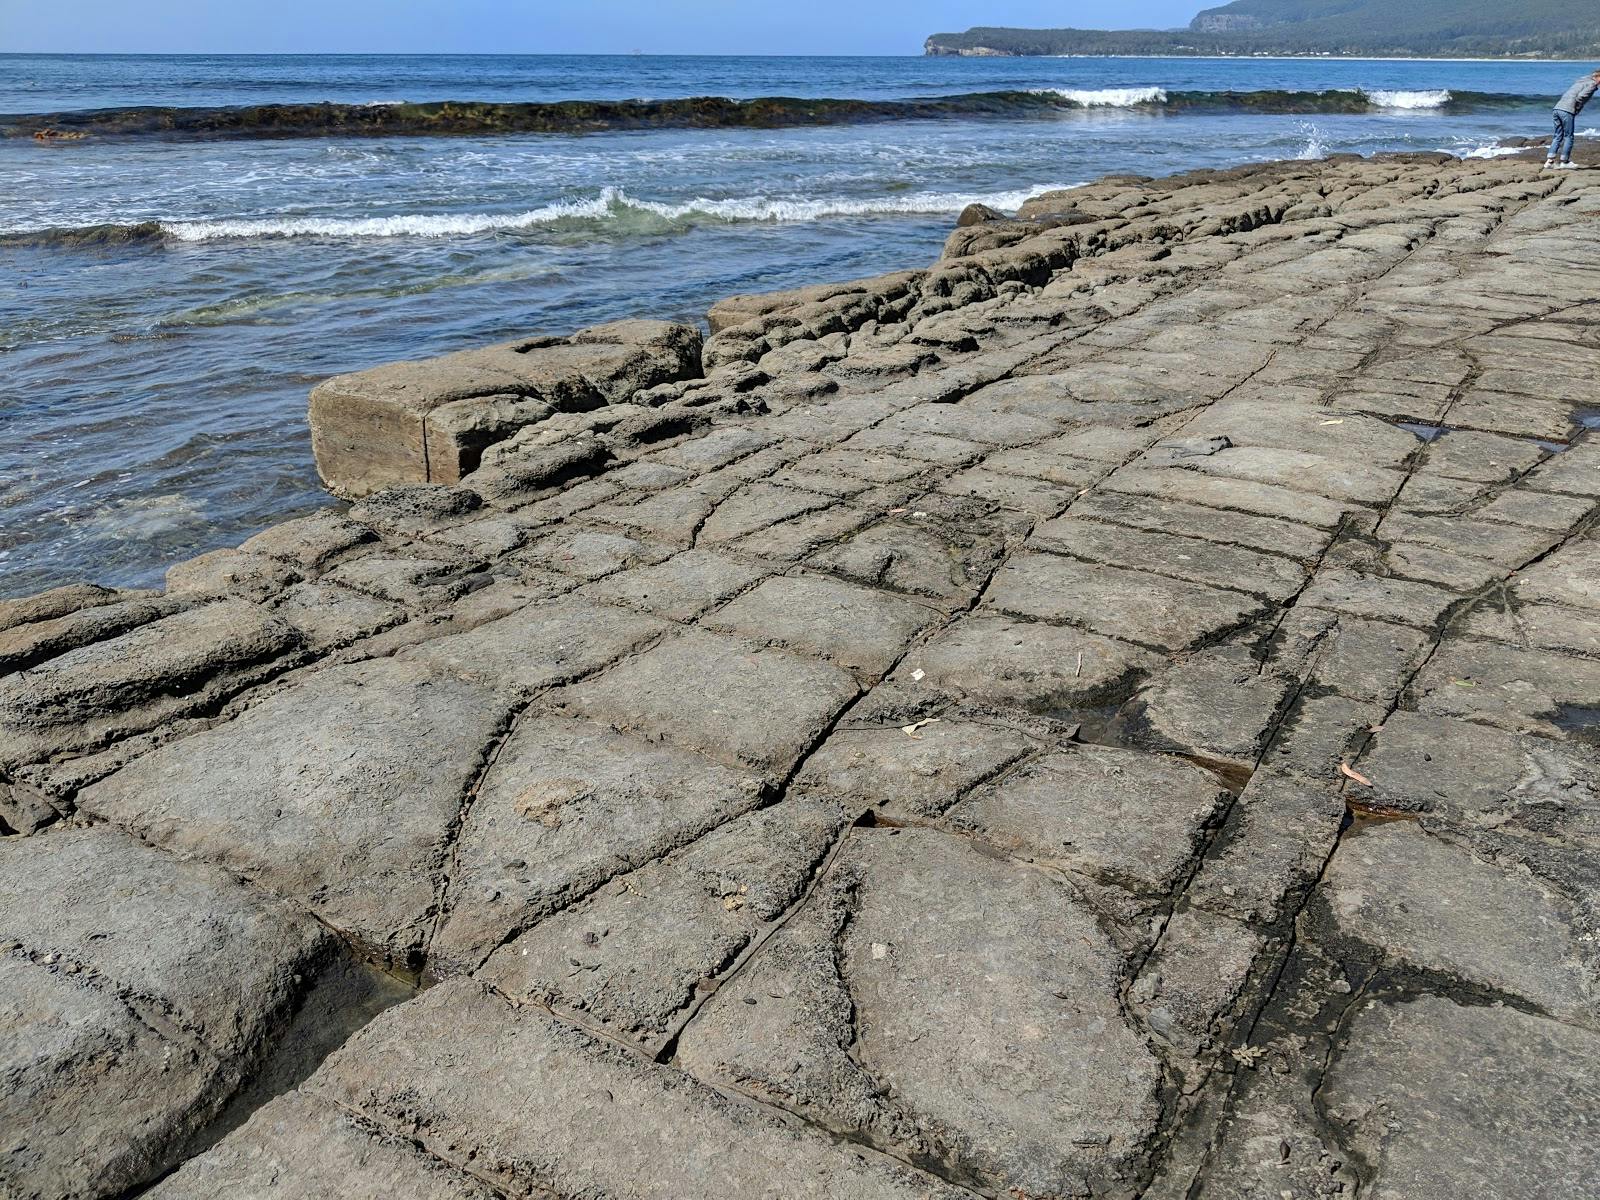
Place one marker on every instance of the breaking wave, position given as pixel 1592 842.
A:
pixel 1487 150
pixel 467 117
pixel 1107 97
pixel 1409 101
pixel 612 211
pixel 1315 145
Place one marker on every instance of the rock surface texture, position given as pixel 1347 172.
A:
pixel 1115 714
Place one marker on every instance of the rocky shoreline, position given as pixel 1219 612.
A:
pixel 1111 714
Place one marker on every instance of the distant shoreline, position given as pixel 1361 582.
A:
pixel 1281 58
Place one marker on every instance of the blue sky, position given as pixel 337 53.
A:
pixel 544 26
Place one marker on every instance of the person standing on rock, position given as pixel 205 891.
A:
pixel 1567 110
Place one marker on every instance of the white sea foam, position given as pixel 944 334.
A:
pixel 1107 97
pixel 1407 100
pixel 1316 143
pixel 1490 150
pixel 425 225
pixel 612 205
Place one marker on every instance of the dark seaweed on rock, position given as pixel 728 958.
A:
pixel 465 117
pixel 479 117
pixel 87 236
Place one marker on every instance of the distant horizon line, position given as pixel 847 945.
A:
pixel 470 54
pixel 1316 57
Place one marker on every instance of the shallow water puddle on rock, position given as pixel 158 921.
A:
pixel 1579 721
pixel 1426 433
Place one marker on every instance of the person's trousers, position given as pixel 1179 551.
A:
pixel 1566 131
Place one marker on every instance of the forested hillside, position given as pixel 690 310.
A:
pixel 1527 28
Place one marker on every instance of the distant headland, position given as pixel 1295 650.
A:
pixel 1324 28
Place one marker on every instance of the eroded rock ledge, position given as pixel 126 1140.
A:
pixel 1109 715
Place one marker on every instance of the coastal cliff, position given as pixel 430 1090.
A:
pixel 1436 28
pixel 1151 649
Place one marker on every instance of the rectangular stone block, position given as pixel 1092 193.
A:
pixel 430 421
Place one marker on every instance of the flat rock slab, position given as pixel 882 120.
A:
pixel 1045 465
pixel 916 555
pixel 1236 495
pixel 723 696
pixel 1268 575
pixel 1151 610
pixel 916 770
pixel 542 645
pixel 1272 848
pixel 1023 664
pixel 589 554
pixel 1570 577
pixel 974 424
pixel 1432 1092
pixel 1434 907
pixel 1120 817
pixel 679 589
pixel 1537 626
pixel 532 1106
pixel 1403 601
pixel 1358 658
pixel 1036 496
pixel 1301 542
pixel 298 1146
pixel 1193 985
pixel 137 992
pixel 924 982
pixel 669 517
pixel 637 957
pixel 430 421
pixel 1507 545
pixel 1483 778
pixel 754 508
pixel 1524 691
pixel 565 807
pixel 1536 509
pixel 340 794
pixel 53 632
pixel 859 628
pixel 1221 705
pixel 1319 475
pixel 130 683
pixel 1320 431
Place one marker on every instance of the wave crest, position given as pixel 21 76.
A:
pixel 1134 97
pixel 1408 101
pixel 613 209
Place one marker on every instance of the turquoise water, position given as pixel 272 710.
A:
pixel 153 389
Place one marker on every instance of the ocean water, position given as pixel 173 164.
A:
pixel 173 283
